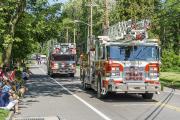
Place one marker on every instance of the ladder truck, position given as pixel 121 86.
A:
pixel 124 61
pixel 62 59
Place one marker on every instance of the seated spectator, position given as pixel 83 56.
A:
pixel 1 84
pixel 28 71
pixel 4 99
pixel 12 74
pixel 13 102
pixel 25 75
pixel 12 78
pixel 2 75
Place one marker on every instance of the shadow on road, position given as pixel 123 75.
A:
pixel 76 87
pixel 42 85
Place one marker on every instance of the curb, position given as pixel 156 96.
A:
pixel 11 113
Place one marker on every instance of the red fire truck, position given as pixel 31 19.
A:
pixel 62 59
pixel 125 61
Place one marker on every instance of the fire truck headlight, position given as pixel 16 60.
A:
pixel 155 69
pixel 113 74
pixel 113 68
pixel 108 74
pixel 154 75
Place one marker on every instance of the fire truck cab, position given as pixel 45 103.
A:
pixel 128 65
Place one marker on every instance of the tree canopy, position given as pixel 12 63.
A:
pixel 27 25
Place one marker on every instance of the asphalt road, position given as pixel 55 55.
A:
pixel 61 98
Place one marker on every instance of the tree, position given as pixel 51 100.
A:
pixel 11 14
pixel 24 24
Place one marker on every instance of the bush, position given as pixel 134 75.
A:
pixel 170 61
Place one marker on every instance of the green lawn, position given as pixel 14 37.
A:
pixel 170 79
pixel 3 114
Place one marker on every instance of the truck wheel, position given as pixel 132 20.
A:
pixel 84 85
pixel 147 95
pixel 71 74
pixel 99 95
pixel 51 74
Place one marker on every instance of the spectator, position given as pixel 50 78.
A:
pixel 2 75
pixel 24 75
pixel 4 99
pixel 12 102
pixel 12 74
pixel 28 71
pixel 8 99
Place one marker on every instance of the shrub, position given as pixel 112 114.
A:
pixel 170 61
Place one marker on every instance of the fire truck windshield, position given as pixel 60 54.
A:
pixel 64 58
pixel 133 53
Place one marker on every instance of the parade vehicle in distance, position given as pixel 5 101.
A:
pixel 62 59
pixel 125 61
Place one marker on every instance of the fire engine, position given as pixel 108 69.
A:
pixel 62 59
pixel 124 61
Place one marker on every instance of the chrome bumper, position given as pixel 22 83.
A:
pixel 134 88
pixel 59 71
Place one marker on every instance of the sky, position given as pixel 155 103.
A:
pixel 54 1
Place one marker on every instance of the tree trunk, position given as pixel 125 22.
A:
pixel 7 51
pixel 20 6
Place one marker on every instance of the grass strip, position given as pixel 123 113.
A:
pixel 3 114
pixel 170 79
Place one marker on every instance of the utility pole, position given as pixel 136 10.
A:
pixel 106 18
pixel 74 35
pixel 91 4
pixel 91 22
pixel 67 35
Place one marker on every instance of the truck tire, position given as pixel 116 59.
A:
pixel 71 74
pixel 147 95
pixel 99 95
pixel 84 85
pixel 51 74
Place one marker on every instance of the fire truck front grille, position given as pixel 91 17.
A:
pixel 65 66
pixel 134 74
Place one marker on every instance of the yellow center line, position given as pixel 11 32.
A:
pixel 167 106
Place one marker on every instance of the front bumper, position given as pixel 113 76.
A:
pixel 132 87
pixel 64 71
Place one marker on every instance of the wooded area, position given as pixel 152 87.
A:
pixel 27 25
